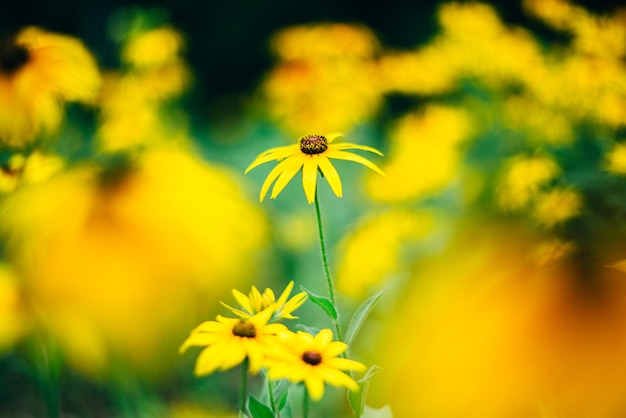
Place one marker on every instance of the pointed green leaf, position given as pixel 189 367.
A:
pixel 258 409
pixel 357 398
pixel 323 303
pixel 359 316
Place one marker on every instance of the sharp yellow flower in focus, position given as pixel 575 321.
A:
pixel 256 302
pixel 311 152
pixel 313 360
pixel 229 341
pixel 38 72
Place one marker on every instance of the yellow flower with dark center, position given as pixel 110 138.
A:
pixel 38 72
pixel 257 302
pixel 314 360
pixel 229 341
pixel 311 153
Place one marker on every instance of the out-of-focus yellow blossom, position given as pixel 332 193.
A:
pixel 256 302
pixel 164 230
pixel 326 78
pixel 551 250
pixel 424 154
pixel 229 341
pixel 133 114
pixel 475 42
pixel 192 410
pixel 153 47
pixel 427 71
pixel 374 250
pixel 539 123
pixel 38 72
pixel 556 13
pixel 522 178
pixel 35 168
pixel 13 314
pixel 556 206
pixel 314 361
pixel 487 334
pixel 616 159
pixel 311 154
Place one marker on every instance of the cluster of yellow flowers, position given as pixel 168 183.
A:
pixel 257 337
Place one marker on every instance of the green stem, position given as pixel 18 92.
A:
pixel 329 280
pixel 270 391
pixel 244 388
pixel 305 404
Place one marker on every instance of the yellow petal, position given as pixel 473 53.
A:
pixel 277 153
pixel 342 155
pixel 315 387
pixel 309 178
pixel 346 145
pixel 332 136
pixel 276 171
pixel 283 297
pixel 336 377
pixel 345 364
pixel 242 300
pixel 290 170
pixel 238 312
pixel 331 175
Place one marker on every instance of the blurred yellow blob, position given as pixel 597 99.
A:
pixel 38 72
pixel 121 262
pixel 424 154
pixel 522 178
pixel 616 159
pixel 373 252
pixel 556 206
pixel 326 79
pixel 153 47
pixel 35 168
pixel 487 334
pixel 13 314
pixel 540 123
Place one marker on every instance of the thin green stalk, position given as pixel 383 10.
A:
pixel 329 280
pixel 305 404
pixel 270 391
pixel 244 388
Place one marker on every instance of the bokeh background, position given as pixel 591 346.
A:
pixel 498 232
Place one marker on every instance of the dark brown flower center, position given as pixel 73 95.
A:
pixel 313 144
pixel 12 57
pixel 312 357
pixel 244 329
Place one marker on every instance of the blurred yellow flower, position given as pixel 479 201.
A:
pixel 335 62
pixel 153 47
pixel 312 152
pixel 229 341
pixel 166 226
pixel 522 178
pixel 314 361
pixel 556 206
pixel 616 159
pixel 38 72
pixel 424 155
pixel 257 302
pixel 14 322
pixel 374 250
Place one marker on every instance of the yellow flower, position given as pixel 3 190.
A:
pixel 229 341
pixel 256 302
pixel 312 152
pixel 154 47
pixel 313 360
pixel 38 72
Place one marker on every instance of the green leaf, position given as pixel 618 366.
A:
pixel 359 316
pixel 258 409
pixel 323 303
pixel 305 328
pixel 357 398
pixel 384 412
